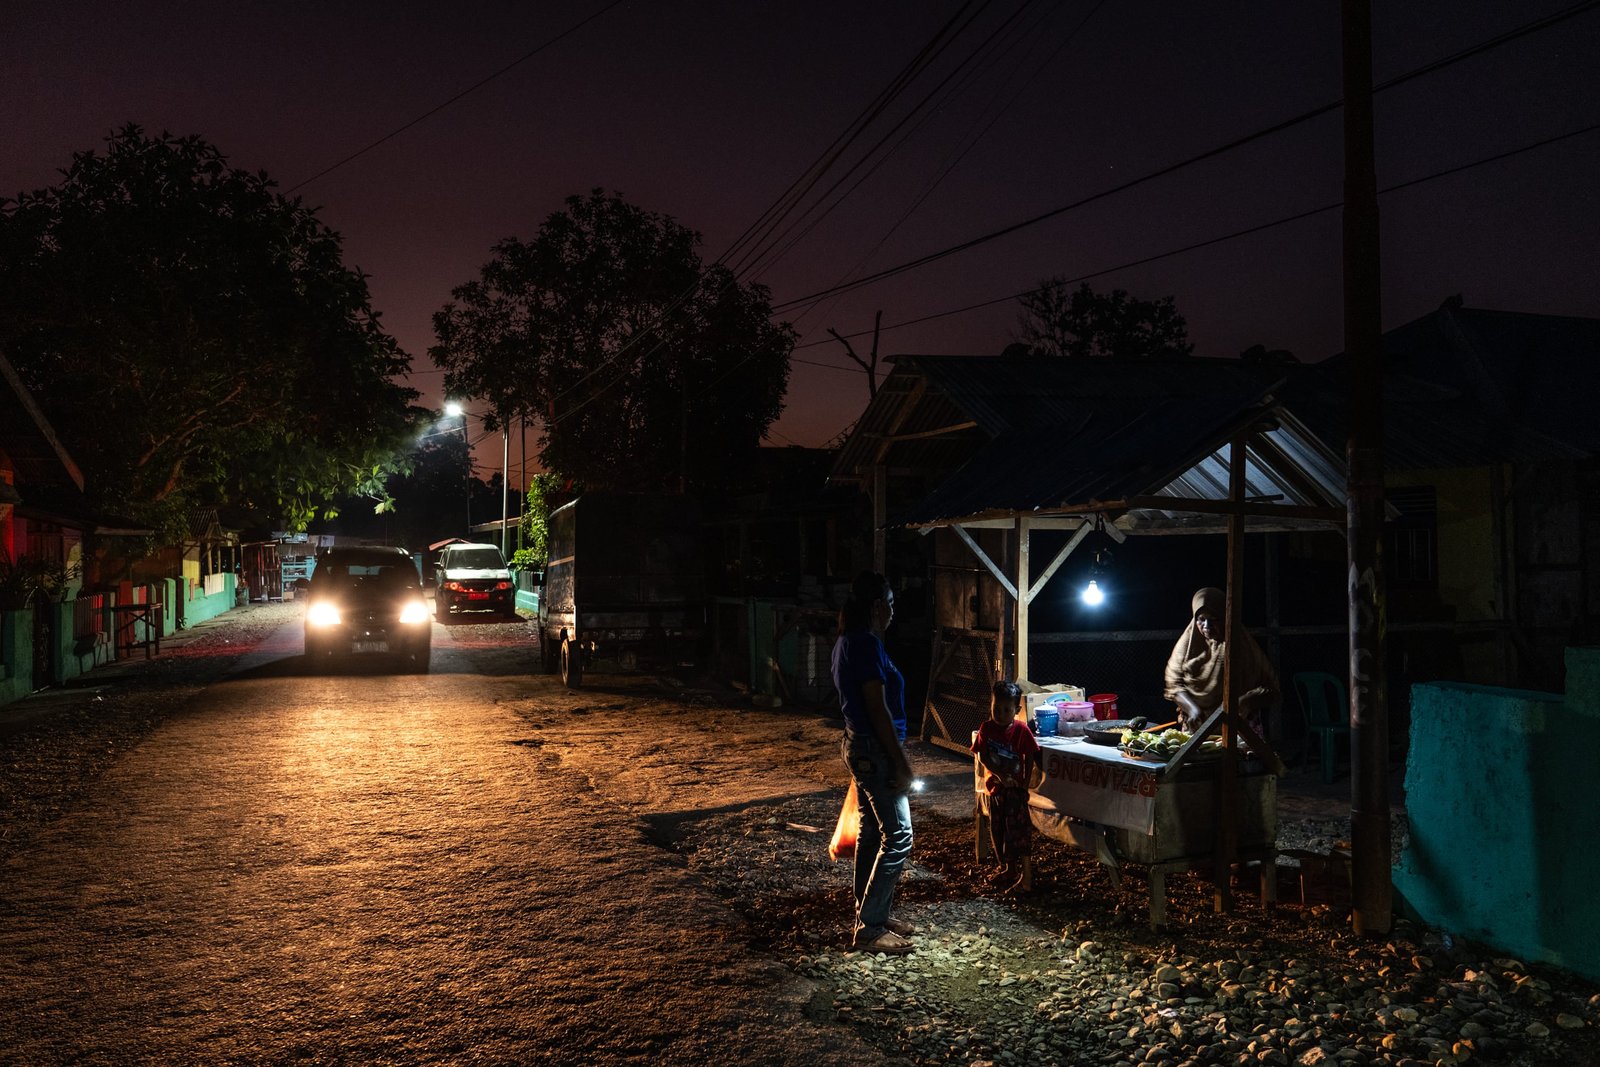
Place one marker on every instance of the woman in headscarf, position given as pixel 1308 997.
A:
pixel 1195 668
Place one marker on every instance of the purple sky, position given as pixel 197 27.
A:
pixel 707 111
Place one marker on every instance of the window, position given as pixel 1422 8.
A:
pixel 1411 539
pixel 46 542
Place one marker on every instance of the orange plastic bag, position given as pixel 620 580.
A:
pixel 845 832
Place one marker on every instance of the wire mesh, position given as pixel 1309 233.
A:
pixel 959 686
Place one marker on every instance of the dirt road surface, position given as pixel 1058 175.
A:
pixel 373 868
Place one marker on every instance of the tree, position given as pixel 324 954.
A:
pixel 647 368
pixel 1057 321
pixel 870 363
pixel 534 537
pixel 196 337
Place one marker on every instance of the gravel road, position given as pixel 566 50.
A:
pixel 660 894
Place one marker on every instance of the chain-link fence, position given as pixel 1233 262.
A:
pixel 959 684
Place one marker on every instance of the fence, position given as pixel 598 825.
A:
pixel 89 622
pixel 959 683
pixel 774 647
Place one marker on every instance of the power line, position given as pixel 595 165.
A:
pixel 798 188
pixel 780 208
pixel 964 70
pixel 1278 127
pixel 1247 231
pixel 474 87
pixel 954 160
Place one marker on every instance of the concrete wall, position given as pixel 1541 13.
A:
pixel 70 657
pixel 1500 793
pixel 199 607
pixel 16 655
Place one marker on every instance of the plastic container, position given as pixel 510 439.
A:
pixel 1044 721
pixel 1105 705
pixel 1077 711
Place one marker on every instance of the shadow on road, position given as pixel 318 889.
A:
pixel 302 666
pixel 478 618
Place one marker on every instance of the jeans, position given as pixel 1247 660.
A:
pixel 885 842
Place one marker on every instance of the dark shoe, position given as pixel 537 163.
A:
pixel 900 926
pixel 888 943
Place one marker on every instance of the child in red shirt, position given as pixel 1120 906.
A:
pixel 1006 749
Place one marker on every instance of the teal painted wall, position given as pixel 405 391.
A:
pixel 16 655
pixel 201 608
pixel 1500 790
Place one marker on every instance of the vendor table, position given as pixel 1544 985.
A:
pixel 1125 810
pixel 129 618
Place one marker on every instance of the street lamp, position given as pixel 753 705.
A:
pixel 453 409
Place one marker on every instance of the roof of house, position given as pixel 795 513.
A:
pixel 1467 387
pixel 1017 435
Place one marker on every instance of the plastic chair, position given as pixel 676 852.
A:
pixel 1326 707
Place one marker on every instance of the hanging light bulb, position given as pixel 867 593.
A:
pixel 1093 596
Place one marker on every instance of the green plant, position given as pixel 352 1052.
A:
pixel 29 578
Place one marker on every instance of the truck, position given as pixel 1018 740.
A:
pixel 624 581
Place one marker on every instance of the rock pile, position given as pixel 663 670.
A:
pixel 1004 999
pixel 1072 976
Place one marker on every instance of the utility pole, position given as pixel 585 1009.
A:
pixel 1371 889
pixel 505 480
pixel 522 480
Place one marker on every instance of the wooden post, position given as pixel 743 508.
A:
pixel 880 517
pixel 1226 806
pixel 1024 579
pixel 1370 888
pixel 1272 557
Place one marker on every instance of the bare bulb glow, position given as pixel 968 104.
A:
pixel 1093 595
pixel 453 409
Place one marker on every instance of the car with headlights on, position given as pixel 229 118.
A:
pixel 368 600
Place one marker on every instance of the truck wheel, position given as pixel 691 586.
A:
pixel 571 664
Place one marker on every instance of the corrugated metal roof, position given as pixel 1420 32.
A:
pixel 1005 394
pixel 1462 388
pixel 1173 447
pixel 1468 387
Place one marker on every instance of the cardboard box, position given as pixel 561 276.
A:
pixel 1034 695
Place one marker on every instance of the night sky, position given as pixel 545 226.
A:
pixel 707 111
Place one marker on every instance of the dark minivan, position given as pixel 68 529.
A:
pixel 368 600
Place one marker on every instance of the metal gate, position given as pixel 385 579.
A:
pixel 44 643
pixel 959 686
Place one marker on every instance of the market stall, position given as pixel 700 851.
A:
pixel 1158 809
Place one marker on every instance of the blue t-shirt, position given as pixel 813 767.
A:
pixel 858 658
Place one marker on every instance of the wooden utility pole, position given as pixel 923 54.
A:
pixel 1225 806
pixel 1371 890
